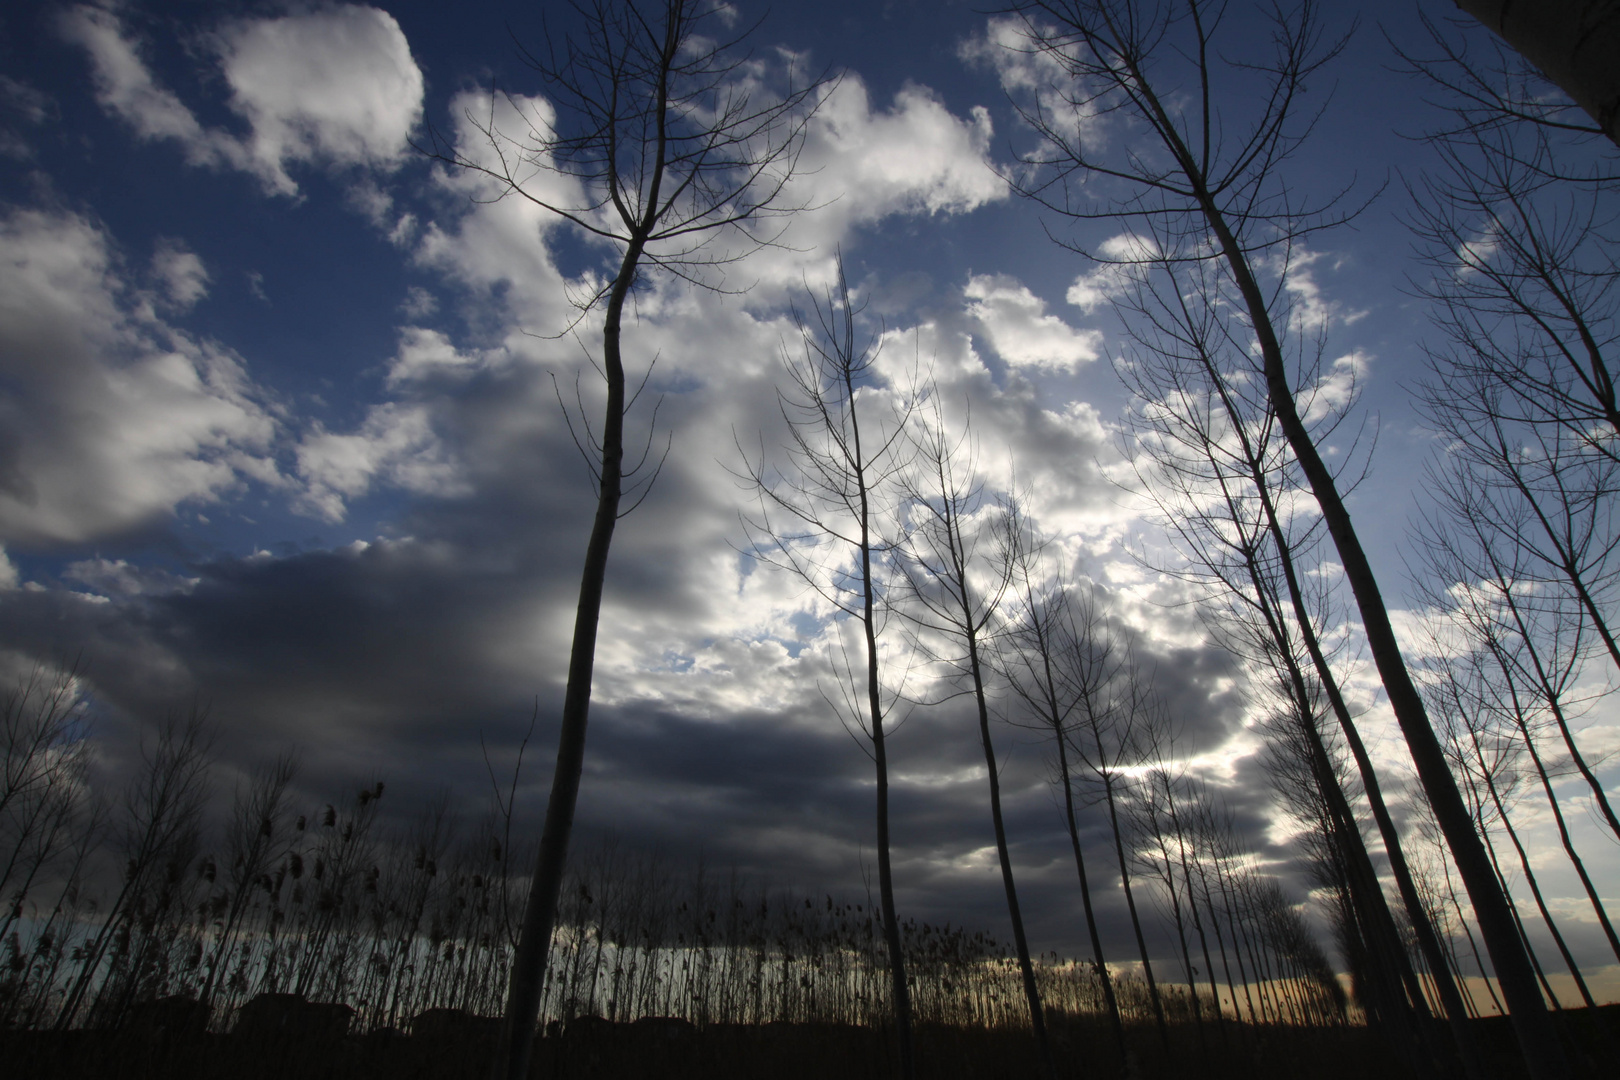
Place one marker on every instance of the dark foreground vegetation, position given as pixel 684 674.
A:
pixel 452 1045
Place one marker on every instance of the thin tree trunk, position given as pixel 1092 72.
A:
pixel 1538 1039
pixel 891 922
pixel 1552 799
pixel 539 917
pixel 1198 923
pixel 1130 901
pixel 1085 899
pixel 1020 942
pixel 1567 563
pixel 1428 940
pixel 1530 879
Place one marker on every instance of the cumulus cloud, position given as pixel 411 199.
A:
pixel 395 445
pixel 1020 330
pixel 111 417
pixel 334 87
pixel 1113 276
pixel 1036 77
pixel 180 273
pixel 498 246
pixel 862 163
pixel 914 157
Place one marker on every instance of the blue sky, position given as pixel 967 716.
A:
pixel 278 430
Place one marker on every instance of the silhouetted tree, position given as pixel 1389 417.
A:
pixel 163 807
pixel 256 839
pixel 1034 648
pixel 959 568
pixel 1222 199
pixel 1114 691
pixel 671 146
pixel 823 519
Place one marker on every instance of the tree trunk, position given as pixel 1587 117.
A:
pixel 1538 1039
pixel 1575 43
pixel 540 914
pixel 1026 968
pixel 1085 900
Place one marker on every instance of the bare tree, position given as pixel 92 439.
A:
pixel 1224 198
pixel 1155 820
pixel 1524 289
pixel 956 585
pixel 1102 671
pixel 1203 436
pixel 1535 652
pixel 824 522
pixel 1487 761
pixel 1034 649
pixel 672 147
pixel 43 763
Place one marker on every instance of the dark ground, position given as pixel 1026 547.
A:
pixel 592 1049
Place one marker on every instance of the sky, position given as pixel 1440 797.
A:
pixel 283 432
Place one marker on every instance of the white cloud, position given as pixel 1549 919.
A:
pixel 425 353
pixel 181 273
pixel 1016 322
pixel 335 87
pixel 396 445
pixel 1336 388
pixel 1310 310
pixel 1037 78
pixel 861 164
pixel 126 87
pixel 108 416
pixel 858 165
pixel 915 157
pixel 117 577
pixel 1112 278
pixel 498 246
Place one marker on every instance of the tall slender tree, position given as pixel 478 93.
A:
pixel 959 567
pixel 828 518
pixel 1226 200
pixel 1114 693
pixel 671 147
pixel 1035 647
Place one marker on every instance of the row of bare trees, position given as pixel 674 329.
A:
pixel 1235 432
pixel 668 151
pixel 167 891
pixel 900 529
